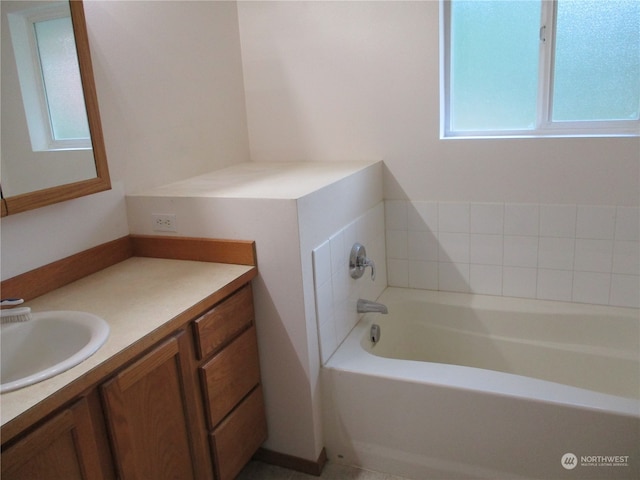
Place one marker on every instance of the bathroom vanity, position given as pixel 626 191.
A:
pixel 175 392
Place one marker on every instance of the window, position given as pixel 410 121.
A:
pixel 47 64
pixel 540 67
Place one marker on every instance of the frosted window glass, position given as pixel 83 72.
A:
pixel 494 65
pixel 597 61
pixel 61 76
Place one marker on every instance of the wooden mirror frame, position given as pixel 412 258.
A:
pixel 48 196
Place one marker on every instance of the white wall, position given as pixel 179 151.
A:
pixel 341 80
pixel 169 83
pixel 333 80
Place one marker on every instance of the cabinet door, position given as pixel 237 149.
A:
pixel 148 418
pixel 63 448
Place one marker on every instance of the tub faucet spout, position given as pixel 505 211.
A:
pixel 366 306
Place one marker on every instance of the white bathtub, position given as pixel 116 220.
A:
pixel 467 386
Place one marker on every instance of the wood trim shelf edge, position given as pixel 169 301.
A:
pixel 47 278
pixel 242 252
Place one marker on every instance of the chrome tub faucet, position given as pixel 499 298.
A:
pixel 367 306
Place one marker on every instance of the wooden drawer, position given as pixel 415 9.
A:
pixel 239 436
pixel 230 375
pixel 223 322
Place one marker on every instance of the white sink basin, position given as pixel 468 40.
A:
pixel 47 345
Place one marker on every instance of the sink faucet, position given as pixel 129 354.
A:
pixel 366 306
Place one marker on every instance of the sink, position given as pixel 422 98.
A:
pixel 47 345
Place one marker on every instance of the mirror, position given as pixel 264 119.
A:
pixel 33 176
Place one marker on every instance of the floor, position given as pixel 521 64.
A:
pixel 262 471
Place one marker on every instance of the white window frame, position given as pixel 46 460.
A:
pixel 25 47
pixel 545 127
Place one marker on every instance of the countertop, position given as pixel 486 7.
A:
pixel 136 297
pixel 272 180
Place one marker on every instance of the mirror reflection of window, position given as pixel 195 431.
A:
pixel 73 167
pixel 61 79
pixel 47 63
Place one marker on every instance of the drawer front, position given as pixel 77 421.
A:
pixel 223 322
pixel 239 436
pixel 230 375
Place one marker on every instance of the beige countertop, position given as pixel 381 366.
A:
pixel 136 297
pixel 273 180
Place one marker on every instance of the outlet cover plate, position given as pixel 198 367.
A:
pixel 163 222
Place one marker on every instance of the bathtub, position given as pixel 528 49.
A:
pixel 468 386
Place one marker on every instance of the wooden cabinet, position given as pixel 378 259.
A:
pixel 148 418
pixel 230 378
pixel 190 407
pixel 62 448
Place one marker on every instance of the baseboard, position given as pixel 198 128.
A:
pixel 291 462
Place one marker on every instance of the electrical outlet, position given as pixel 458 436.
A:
pixel 163 222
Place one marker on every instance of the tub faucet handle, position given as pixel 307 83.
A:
pixel 358 261
pixel 369 263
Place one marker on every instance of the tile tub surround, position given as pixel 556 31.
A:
pixel 579 253
pixel 336 293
